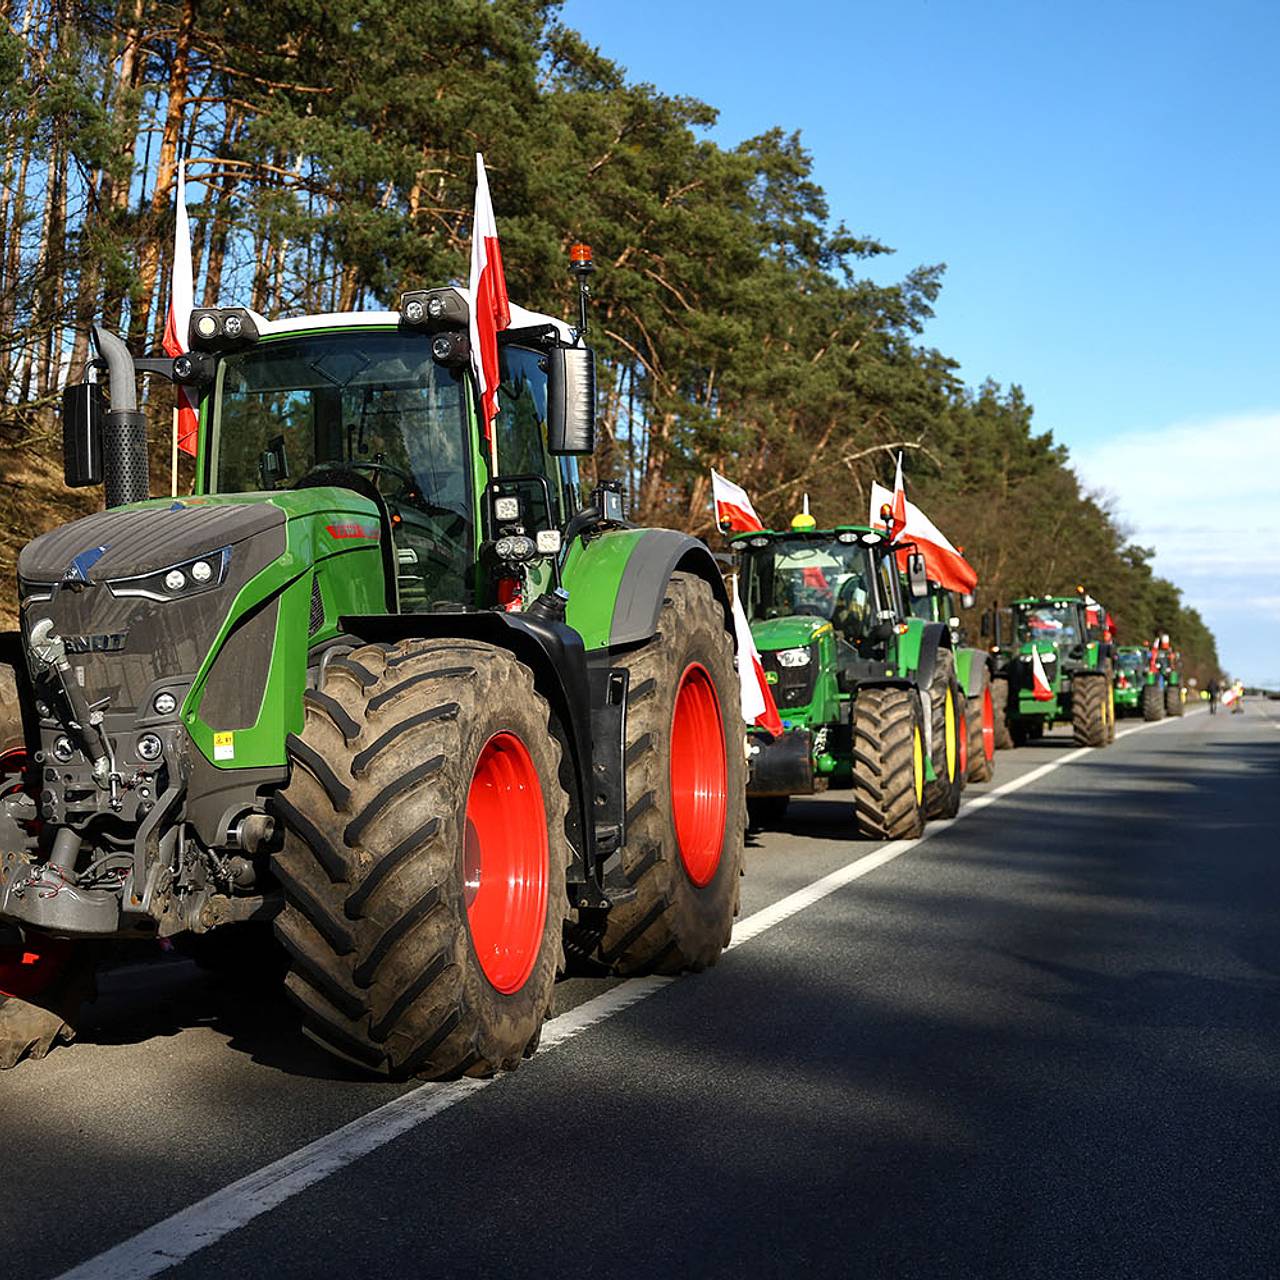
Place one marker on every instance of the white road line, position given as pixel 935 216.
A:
pixel 175 1239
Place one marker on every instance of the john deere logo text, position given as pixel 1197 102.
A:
pixel 111 643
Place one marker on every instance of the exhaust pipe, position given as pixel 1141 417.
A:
pixel 125 469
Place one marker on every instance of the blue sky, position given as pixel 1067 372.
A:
pixel 1103 183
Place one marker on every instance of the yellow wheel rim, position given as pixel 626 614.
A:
pixel 949 714
pixel 917 762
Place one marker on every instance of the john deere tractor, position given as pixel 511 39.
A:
pixel 1162 689
pixel 973 670
pixel 1056 668
pixel 382 681
pixel 1131 662
pixel 867 694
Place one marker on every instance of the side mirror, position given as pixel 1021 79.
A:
pixel 83 410
pixel 967 600
pixel 917 577
pixel 571 401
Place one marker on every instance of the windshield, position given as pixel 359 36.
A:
pixel 810 577
pixel 373 407
pixel 1053 622
pixel 1131 661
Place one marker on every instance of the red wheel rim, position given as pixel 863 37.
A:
pixel 963 770
pixel 988 725
pixel 699 774
pixel 505 857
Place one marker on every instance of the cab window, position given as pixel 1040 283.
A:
pixel 521 428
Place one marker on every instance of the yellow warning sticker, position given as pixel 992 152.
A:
pixel 224 746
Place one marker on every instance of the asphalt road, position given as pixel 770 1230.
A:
pixel 1041 1042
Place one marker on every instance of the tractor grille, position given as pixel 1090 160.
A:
pixel 793 686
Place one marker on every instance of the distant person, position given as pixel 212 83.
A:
pixel 1214 690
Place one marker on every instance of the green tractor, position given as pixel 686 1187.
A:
pixel 388 685
pixel 1056 668
pixel 1162 689
pixel 1131 662
pixel 973 670
pixel 867 694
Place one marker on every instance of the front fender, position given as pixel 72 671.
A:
pixel 617 581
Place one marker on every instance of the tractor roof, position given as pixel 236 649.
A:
pixel 1047 600
pixel 824 535
pixel 521 318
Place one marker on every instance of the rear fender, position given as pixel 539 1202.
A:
pixel 970 664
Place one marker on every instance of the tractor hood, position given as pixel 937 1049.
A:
pixel 789 632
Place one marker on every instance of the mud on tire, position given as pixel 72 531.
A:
pixel 672 922
pixel 381 858
pixel 1089 710
pixel 888 757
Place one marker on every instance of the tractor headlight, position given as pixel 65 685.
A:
pixel 794 657
pixel 177 582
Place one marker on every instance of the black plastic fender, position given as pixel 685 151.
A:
pixel 935 636
pixel 658 554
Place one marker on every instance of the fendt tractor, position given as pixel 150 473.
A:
pixel 973 670
pixel 380 680
pixel 1055 669
pixel 1162 688
pixel 867 693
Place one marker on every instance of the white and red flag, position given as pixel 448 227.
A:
pixel 490 307
pixel 181 300
pixel 734 511
pixel 943 563
pixel 758 706
pixel 1041 689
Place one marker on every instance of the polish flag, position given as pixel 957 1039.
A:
pixel 490 307
pixel 734 512
pixel 899 503
pixel 1041 689
pixel 758 706
pixel 943 563
pixel 181 300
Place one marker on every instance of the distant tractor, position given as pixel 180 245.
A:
pixel 868 694
pixel 1162 690
pixel 384 681
pixel 1055 668
pixel 1130 678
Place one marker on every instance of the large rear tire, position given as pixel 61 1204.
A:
pixel 1173 700
pixel 1152 702
pixel 888 764
pixel 686 791
pixel 1089 709
pixel 1000 713
pixel 942 795
pixel 424 860
pixel 981 713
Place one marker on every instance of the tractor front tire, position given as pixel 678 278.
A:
pixel 686 791
pixel 1152 702
pixel 1173 700
pixel 1089 709
pixel 981 715
pixel 942 795
pixel 1001 730
pixel 888 764
pixel 424 860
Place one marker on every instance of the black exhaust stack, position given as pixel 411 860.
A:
pixel 125 469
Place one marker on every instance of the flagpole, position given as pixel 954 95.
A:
pixel 173 456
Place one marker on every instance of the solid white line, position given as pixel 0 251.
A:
pixel 176 1238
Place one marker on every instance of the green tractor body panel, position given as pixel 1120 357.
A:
pixel 811 596
pixel 1130 675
